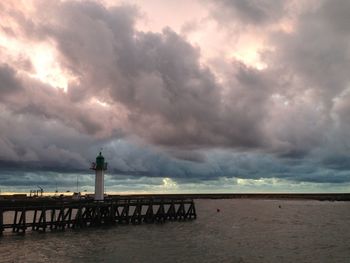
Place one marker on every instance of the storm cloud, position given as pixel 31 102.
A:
pixel 76 76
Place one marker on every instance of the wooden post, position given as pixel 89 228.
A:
pixel 160 215
pixel 43 219
pixel 14 221
pixel 53 212
pixel 22 222
pixel 112 213
pixel 149 217
pixel 60 220
pixel 191 213
pixel 34 219
pixel 70 224
pixel 67 218
pixel 24 227
pixel 1 221
pixel 171 214
pixel 77 221
pixel 136 217
pixel 124 216
pixel 181 211
pixel 97 216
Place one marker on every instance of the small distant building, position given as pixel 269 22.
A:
pixel 19 196
pixel 100 167
pixel 76 196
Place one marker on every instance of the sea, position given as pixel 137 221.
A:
pixel 226 230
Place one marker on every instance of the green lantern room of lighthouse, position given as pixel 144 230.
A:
pixel 100 162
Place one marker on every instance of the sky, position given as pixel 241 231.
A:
pixel 182 96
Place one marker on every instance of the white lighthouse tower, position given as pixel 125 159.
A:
pixel 100 167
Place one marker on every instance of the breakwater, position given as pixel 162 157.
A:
pixel 275 196
pixel 44 214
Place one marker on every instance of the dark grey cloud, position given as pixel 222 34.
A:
pixel 155 77
pixel 169 109
pixel 316 51
pixel 315 58
pixel 8 80
pixel 253 12
pixel 188 155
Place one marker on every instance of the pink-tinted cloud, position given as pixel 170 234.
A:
pixel 258 76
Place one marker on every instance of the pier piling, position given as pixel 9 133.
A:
pixel 58 215
pixel 1 221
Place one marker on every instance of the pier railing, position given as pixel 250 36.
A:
pixel 42 215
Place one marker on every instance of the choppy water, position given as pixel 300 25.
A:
pixel 243 231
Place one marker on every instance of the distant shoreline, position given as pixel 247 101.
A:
pixel 260 196
pixel 287 196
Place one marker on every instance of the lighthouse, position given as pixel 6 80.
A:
pixel 100 167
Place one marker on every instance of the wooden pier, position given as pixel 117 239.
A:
pixel 42 215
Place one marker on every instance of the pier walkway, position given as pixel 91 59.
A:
pixel 44 214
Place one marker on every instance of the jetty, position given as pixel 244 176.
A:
pixel 44 214
pixel 38 213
